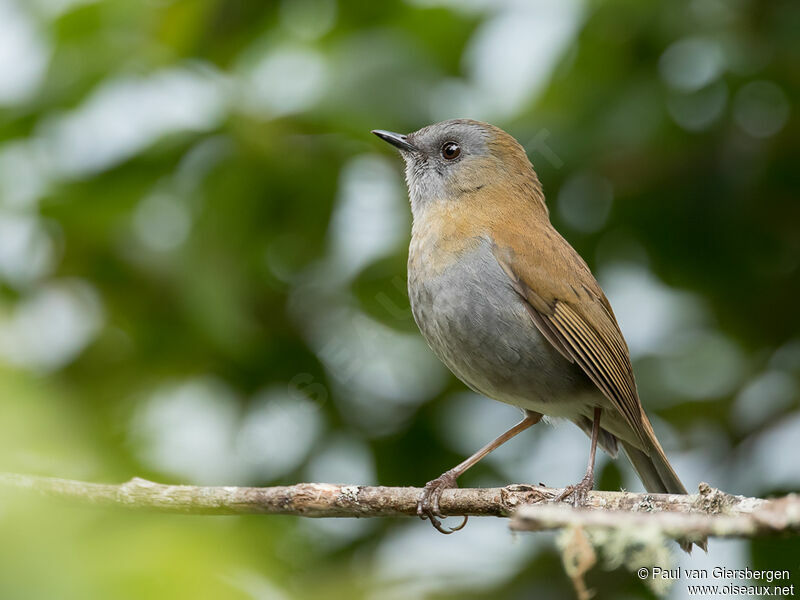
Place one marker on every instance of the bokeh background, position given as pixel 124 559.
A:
pixel 202 274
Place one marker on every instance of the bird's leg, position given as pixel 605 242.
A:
pixel 581 489
pixel 428 505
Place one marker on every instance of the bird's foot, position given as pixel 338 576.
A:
pixel 578 492
pixel 428 504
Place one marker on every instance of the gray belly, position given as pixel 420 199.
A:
pixel 479 327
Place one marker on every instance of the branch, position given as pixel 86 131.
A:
pixel 738 516
pixel 711 512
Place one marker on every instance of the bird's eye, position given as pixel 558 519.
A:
pixel 450 150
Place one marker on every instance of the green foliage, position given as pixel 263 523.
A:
pixel 202 273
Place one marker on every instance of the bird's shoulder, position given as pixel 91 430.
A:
pixel 545 262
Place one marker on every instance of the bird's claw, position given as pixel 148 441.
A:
pixel 578 492
pixel 428 504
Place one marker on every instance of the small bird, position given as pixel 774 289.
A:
pixel 511 308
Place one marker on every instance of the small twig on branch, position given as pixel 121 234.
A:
pixel 711 512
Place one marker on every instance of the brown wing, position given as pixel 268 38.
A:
pixel 571 311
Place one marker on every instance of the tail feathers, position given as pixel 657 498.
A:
pixel 655 471
pixel 658 477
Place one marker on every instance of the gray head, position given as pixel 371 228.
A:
pixel 447 160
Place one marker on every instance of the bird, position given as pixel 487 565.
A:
pixel 508 305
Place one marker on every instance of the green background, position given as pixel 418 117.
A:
pixel 202 275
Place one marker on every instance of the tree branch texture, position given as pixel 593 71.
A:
pixel 710 512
